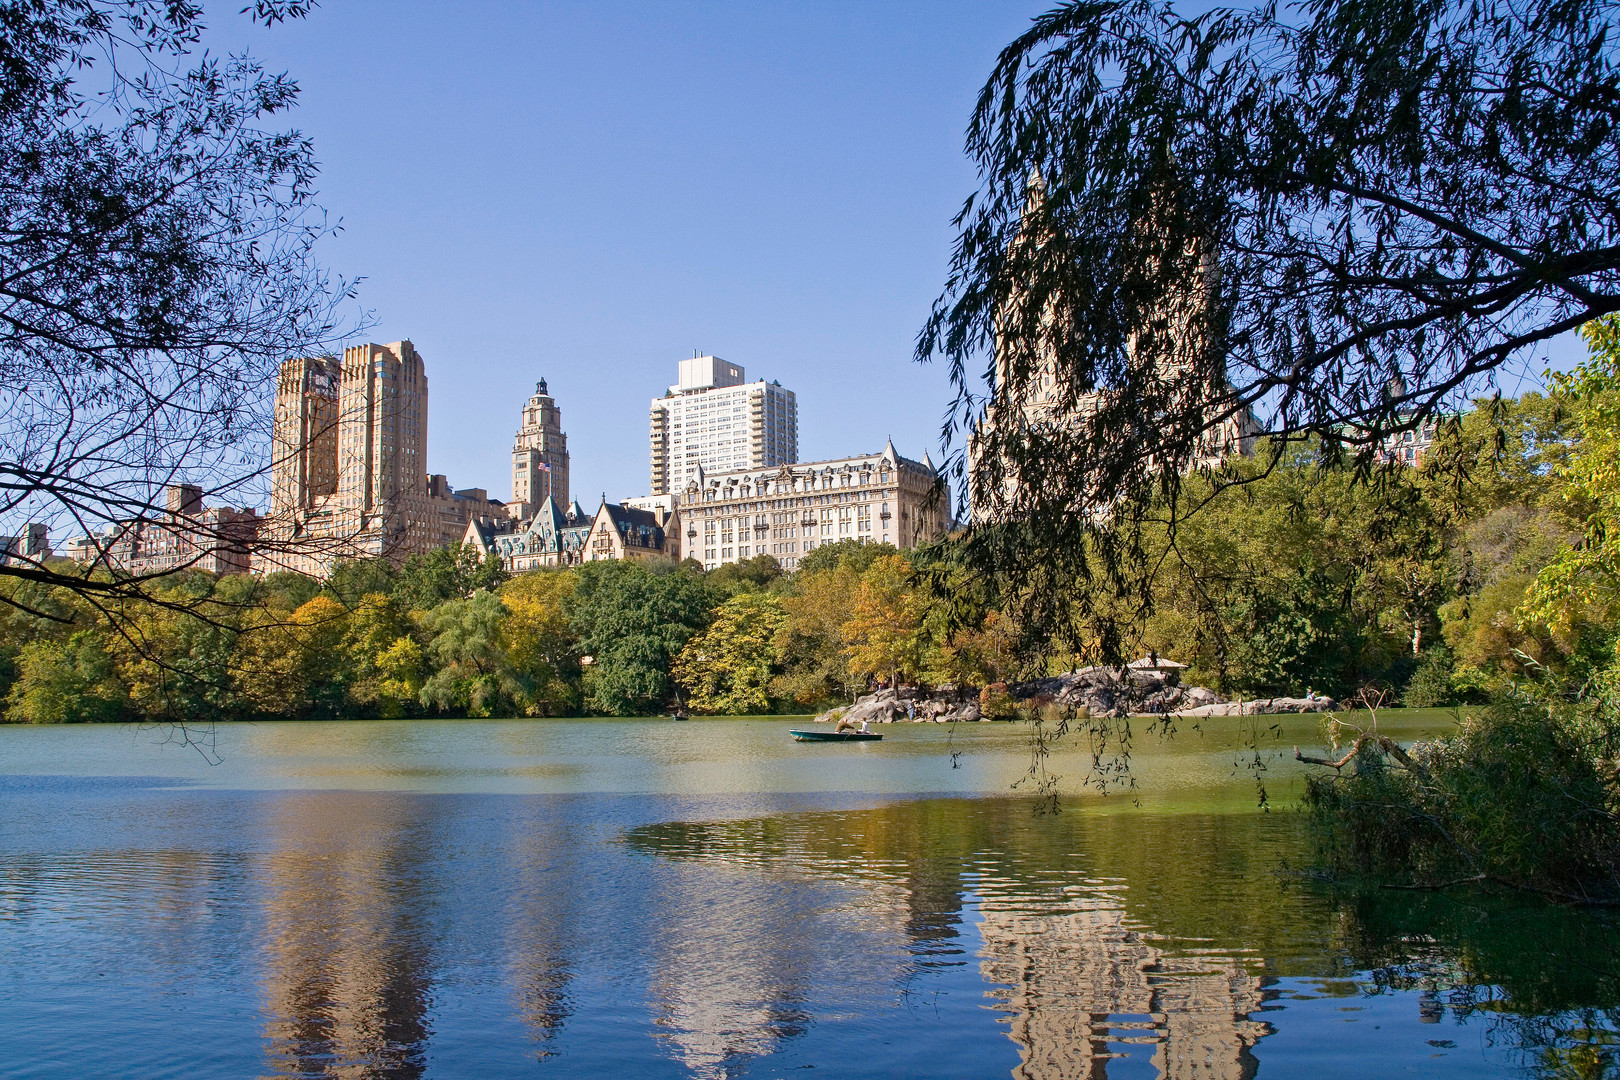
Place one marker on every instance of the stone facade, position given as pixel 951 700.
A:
pixel 553 536
pixel 539 456
pixel 788 511
pixel 31 546
pixel 626 532
pixel 712 420
pixel 357 488
pixel 1408 447
pixel 453 509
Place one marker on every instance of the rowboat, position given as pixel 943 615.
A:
pixel 835 736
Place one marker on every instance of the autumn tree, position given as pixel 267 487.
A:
pixel 883 635
pixel 540 641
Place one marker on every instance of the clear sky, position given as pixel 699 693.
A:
pixel 589 192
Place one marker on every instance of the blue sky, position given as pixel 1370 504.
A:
pixel 589 192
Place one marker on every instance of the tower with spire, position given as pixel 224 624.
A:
pixel 539 456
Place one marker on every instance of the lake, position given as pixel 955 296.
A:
pixel 643 898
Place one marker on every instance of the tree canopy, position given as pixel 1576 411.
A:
pixel 1341 217
pixel 157 239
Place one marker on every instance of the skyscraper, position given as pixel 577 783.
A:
pixel 714 421
pixel 349 476
pixel 304 446
pixel 539 456
pixel 382 448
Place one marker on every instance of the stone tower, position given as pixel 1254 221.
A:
pixel 539 456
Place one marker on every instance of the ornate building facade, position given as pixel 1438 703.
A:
pixel 539 456
pixel 789 511
pixel 558 537
pixel 185 536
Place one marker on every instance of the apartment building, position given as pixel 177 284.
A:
pixel 789 511
pixel 716 421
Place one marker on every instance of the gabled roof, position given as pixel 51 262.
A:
pixel 630 521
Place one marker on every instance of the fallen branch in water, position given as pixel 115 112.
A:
pixel 1383 742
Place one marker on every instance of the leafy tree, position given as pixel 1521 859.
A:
pixel 471 673
pixel 757 572
pixel 727 668
pixel 1344 217
pixel 286 591
pixel 383 660
pixel 810 643
pixel 293 666
pixel 632 621
pixel 159 250
pixel 853 553
pixel 883 634
pixel 1583 580
pixel 446 573
pixel 65 682
pixel 540 641
pixel 352 580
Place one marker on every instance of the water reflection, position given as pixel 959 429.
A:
pixel 1166 941
pixel 348 952
pixel 374 935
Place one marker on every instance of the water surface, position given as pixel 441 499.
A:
pixel 711 899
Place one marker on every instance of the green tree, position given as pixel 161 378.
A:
pixel 382 659
pixel 757 572
pixel 65 682
pixel 1342 215
pixel 726 669
pixel 446 573
pixel 632 621
pixel 471 675
pixel 1583 579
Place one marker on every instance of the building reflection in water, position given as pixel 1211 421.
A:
pixel 749 938
pixel 1083 982
pixel 347 980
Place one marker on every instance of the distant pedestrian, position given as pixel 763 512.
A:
pixel 911 710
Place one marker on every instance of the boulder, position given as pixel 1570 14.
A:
pixel 1260 707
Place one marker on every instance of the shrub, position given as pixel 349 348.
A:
pixel 1524 794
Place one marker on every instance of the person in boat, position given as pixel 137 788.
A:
pixel 846 724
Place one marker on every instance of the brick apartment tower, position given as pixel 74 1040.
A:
pixel 349 475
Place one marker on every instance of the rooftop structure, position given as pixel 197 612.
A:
pixel 539 455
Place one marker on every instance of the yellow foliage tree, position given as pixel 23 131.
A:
pixel 540 641
pixel 883 635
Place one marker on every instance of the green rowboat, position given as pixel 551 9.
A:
pixel 835 736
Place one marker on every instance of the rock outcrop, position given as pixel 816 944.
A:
pixel 1261 706
pixel 1103 691
pixel 908 704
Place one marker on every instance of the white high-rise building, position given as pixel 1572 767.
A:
pixel 713 420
